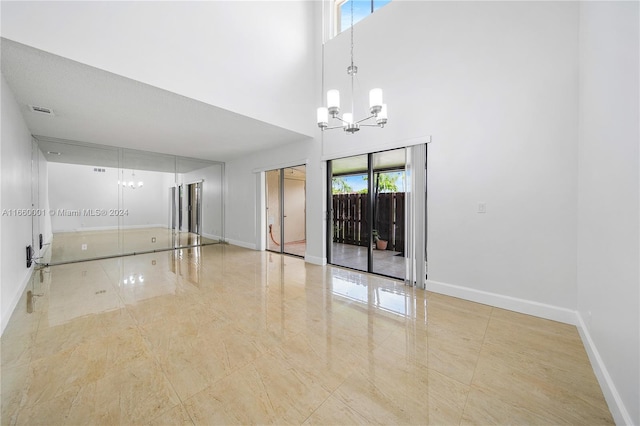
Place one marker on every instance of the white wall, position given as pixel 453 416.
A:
pixel 212 201
pixel 495 85
pixel 608 198
pixel 79 187
pixel 15 173
pixel 254 58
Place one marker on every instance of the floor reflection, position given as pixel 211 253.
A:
pixel 82 245
pixel 385 262
pixel 395 298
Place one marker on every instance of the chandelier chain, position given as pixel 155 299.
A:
pixel 353 68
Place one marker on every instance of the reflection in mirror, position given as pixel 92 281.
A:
pixel 101 201
pixel 198 216
pixel 76 187
pixel 144 215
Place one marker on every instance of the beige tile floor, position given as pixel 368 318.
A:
pixel 224 335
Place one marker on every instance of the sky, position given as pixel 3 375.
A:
pixel 361 9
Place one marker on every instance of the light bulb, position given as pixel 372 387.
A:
pixel 323 117
pixel 333 101
pixel 375 100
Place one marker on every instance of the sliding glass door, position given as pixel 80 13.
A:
pixel 286 210
pixel 373 213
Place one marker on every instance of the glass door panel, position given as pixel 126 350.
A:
pixel 349 203
pixel 294 218
pixel 389 190
pixel 274 216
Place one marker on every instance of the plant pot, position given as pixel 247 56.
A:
pixel 381 244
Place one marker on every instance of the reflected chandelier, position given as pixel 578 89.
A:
pixel 131 184
pixel 377 109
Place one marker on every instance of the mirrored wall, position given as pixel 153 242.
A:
pixel 95 201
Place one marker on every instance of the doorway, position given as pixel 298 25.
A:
pixel 286 202
pixel 194 206
pixel 186 207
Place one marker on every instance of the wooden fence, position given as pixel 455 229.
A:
pixel 350 223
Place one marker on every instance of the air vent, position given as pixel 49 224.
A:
pixel 41 110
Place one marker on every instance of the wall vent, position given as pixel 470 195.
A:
pixel 41 110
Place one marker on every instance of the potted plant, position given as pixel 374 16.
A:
pixel 380 243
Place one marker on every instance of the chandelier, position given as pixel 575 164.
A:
pixel 377 109
pixel 131 184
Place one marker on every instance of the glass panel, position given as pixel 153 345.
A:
pixel 272 179
pixel 294 219
pixel 361 9
pixel 145 179
pixel 78 188
pixel 349 201
pixel 389 213
pixel 200 203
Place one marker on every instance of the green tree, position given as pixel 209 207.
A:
pixel 340 186
pixel 384 182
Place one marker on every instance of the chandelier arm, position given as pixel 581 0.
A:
pixel 370 125
pixel 365 119
pixel 334 127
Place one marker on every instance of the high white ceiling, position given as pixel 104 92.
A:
pixel 99 107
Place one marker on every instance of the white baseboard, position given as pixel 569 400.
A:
pixel 316 260
pixel 241 244
pixel 6 313
pixel 212 237
pixel 618 410
pixel 542 310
